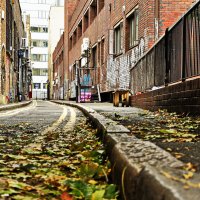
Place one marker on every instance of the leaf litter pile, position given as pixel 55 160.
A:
pixel 178 134
pixel 55 165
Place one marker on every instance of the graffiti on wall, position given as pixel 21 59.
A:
pixel 118 69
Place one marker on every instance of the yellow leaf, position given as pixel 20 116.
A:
pixel 188 175
pixel 93 182
pixel 190 167
pixel 186 187
pixel 98 195
pixel 169 149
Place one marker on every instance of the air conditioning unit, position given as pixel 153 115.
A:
pixel 82 50
pixel 24 43
pixel 86 43
pixel 2 15
pixel 83 62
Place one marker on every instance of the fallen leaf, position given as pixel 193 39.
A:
pixel 188 175
pixel 98 195
pixel 66 196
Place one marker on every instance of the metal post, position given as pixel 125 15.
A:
pixel 167 57
pixel 63 83
pixel 184 50
pixel 77 82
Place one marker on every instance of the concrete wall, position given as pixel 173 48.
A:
pixel 182 98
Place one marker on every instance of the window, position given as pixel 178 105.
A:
pixel 74 37
pixel 39 57
pixel 102 51
pixel 34 29
pixel 93 11
pixel 86 21
pixel 80 30
pixel 94 57
pixel 99 52
pixel 43 29
pixel 42 14
pixel 101 4
pixel 44 85
pixel 39 43
pixel 39 72
pixel 70 43
pixel 39 29
pixel 118 38
pixel 36 85
pixel 133 29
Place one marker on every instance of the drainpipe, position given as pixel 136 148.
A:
pixel 156 19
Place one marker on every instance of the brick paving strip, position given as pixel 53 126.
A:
pixel 142 169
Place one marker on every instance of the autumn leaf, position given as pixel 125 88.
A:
pixel 188 175
pixel 168 131
pixel 92 182
pixel 98 195
pixel 66 196
pixel 190 167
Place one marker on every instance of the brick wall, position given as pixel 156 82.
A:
pixel 182 98
pixel 58 68
pixel 3 45
pixel 167 17
pixel 113 72
pixel 0 44
pixel 69 8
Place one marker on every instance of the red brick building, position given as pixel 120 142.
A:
pixel 118 33
pixel 13 69
pixel 58 70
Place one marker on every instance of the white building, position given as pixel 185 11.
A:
pixel 56 28
pixel 39 15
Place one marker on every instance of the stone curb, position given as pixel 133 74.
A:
pixel 141 169
pixel 103 124
pixel 16 105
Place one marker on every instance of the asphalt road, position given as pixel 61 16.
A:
pixel 41 149
pixel 39 116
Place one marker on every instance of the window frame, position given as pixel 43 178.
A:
pixel 118 38
pixel 133 28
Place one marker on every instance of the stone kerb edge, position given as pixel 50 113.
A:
pixel 19 105
pixel 136 180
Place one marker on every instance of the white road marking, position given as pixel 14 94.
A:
pixel 18 110
pixel 72 120
pixel 57 123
